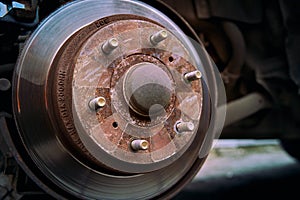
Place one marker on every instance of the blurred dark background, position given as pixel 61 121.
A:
pixel 247 169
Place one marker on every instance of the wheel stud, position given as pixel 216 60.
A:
pixel 96 103
pixel 110 45
pixel 181 127
pixel 192 76
pixel 139 145
pixel 158 37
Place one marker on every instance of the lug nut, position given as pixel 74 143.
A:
pixel 184 127
pixel 158 37
pixel 192 76
pixel 110 45
pixel 139 145
pixel 96 103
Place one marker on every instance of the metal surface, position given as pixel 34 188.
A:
pixel 141 92
pixel 65 69
pixel 110 45
pixel 139 145
pixel 158 37
pixel 184 127
pixel 244 107
pixel 58 131
pixel 192 76
pixel 143 85
pixel 96 103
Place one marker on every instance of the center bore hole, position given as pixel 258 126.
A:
pixel 115 124
pixel 171 59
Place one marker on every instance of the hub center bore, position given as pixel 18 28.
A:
pixel 147 89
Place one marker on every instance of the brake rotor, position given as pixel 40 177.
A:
pixel 109 101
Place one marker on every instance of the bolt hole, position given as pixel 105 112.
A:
pixel 115 124
pixel 171 59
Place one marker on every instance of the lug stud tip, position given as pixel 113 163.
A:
pixel 158 37
pixel 184 127
pixel 96 103
pixel 139 145
pixel 110 45
pixel 192 76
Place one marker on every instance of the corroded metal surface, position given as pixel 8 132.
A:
pixel 97 73
pixel 86 152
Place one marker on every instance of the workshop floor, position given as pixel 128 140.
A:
pixel 245 169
